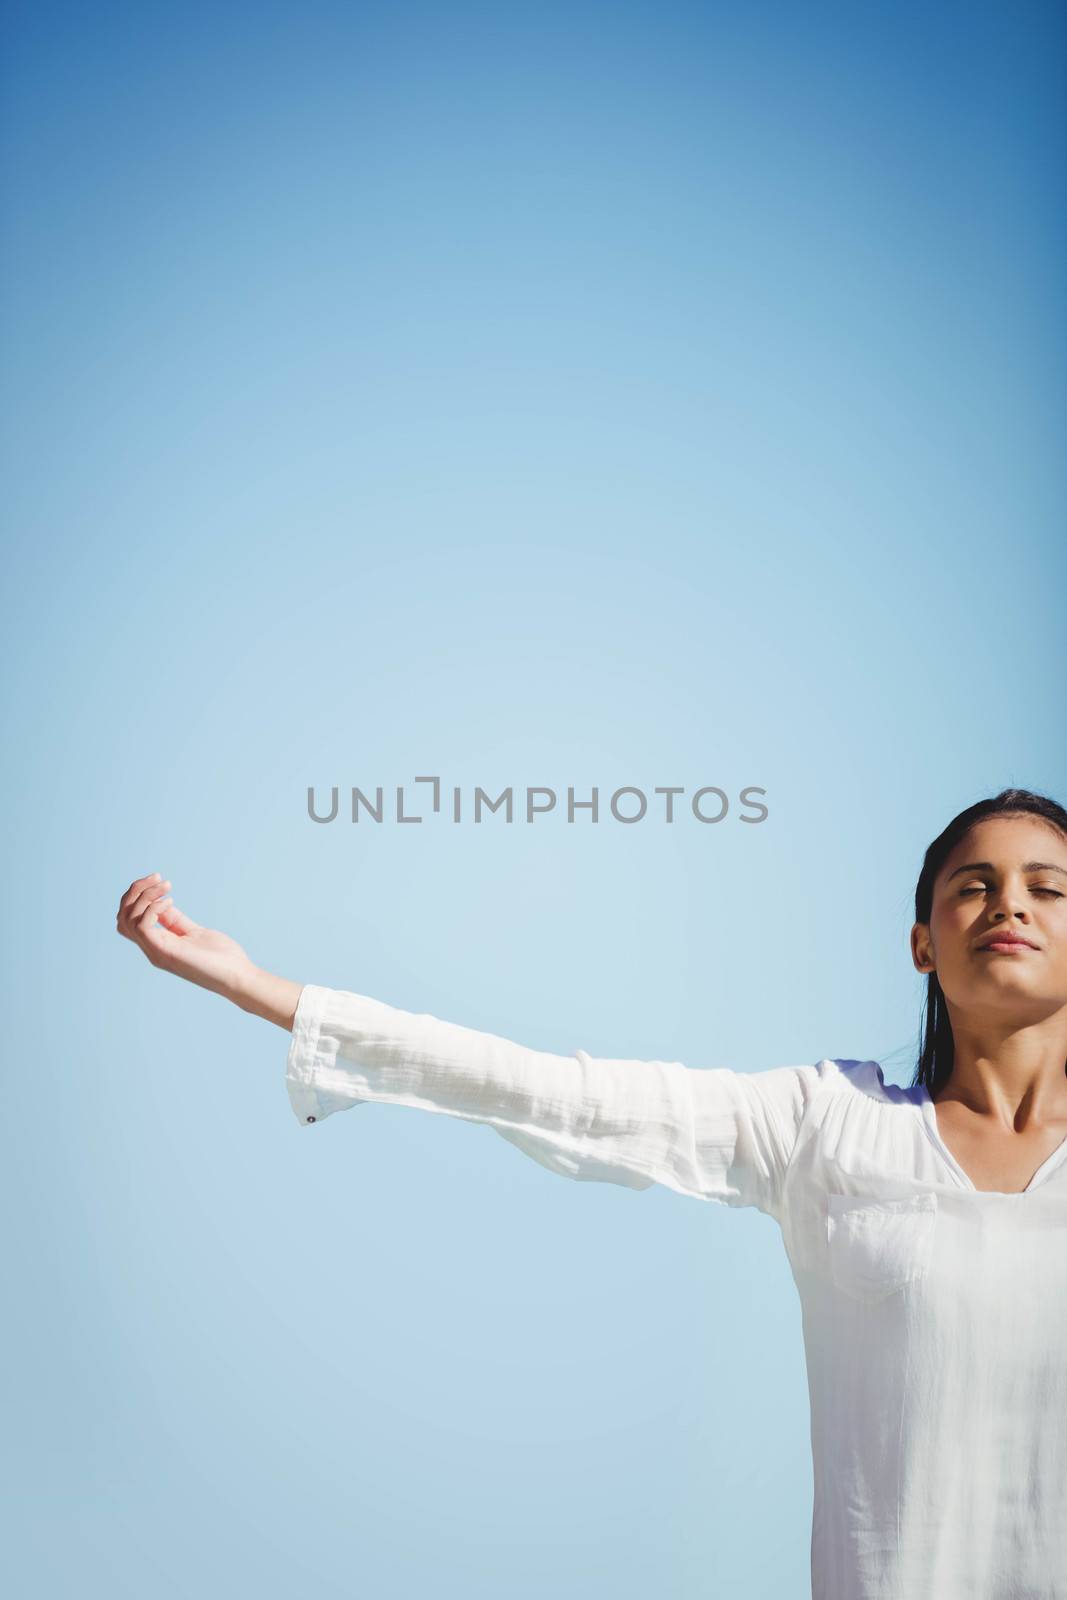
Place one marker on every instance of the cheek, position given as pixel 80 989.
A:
pixel 952 931
pixel 949 923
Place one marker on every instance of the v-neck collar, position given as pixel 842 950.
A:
pixel 929 1116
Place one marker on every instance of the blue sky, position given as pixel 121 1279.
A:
pixel 569 395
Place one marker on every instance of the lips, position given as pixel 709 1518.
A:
pixel 1005 941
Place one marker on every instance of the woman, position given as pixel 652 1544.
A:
pixel 926 1227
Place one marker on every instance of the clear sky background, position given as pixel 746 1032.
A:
pixel 559 394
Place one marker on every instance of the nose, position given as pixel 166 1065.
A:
pixel 1008 902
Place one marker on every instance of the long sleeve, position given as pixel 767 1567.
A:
pixel 713 1133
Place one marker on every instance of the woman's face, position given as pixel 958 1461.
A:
pixel 1010 874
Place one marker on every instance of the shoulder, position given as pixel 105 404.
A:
pixel 789 1096
pixel 797 1092
pixel 867 1078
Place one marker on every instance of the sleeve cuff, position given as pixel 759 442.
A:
pixel 309 1053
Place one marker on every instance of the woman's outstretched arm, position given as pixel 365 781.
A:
pixel 715 1134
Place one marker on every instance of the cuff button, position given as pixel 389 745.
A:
pixel 311 1119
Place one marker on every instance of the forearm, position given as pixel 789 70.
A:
pixel 265 995
pixel 621 1121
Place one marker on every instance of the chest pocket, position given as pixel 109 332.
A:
pixel 876 1247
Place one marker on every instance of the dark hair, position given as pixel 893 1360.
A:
pixel 937 1052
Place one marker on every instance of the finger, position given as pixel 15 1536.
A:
pixel 131 908
pixel 151 900
pixel 143 916
pixel 176 920
pixel 148 895
pixel 135 891
pixel 137 886
pixel 154 939
pixel 150 931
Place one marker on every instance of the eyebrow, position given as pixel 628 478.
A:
pixel 987 866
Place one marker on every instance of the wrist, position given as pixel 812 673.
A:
pixel 266 995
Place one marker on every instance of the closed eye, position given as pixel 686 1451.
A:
pixel 1038 889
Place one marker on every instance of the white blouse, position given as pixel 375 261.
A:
pixel 934 1313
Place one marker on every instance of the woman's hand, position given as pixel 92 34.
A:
pixel 175 943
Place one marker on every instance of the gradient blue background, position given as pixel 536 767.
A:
pixel 562 394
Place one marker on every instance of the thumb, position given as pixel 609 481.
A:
pixel 175 921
